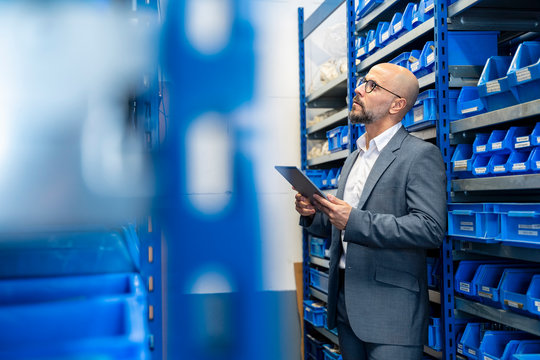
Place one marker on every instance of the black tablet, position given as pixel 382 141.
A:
pixel 300 181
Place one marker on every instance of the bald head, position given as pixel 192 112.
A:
pixel 399 80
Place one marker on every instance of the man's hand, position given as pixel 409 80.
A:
pixel 304 206
pixel 337 210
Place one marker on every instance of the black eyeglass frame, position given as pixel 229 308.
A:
pixel 363 80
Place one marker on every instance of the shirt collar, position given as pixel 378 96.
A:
pixel 379 141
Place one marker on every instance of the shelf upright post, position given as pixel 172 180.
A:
pixel 443 141
pixel 351 60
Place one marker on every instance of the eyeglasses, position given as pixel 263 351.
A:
pixel 371 85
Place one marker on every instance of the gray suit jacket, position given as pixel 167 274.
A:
pixel 402 212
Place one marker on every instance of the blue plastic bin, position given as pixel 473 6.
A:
pixel 331 352
pixel 424 12
pixel 533 295
pixel 385 37
pixel 524 72
pixel 314 312
pixel 452 98
pixel 334 180
pixel 381 26
pixel 480 166
pixel 424 111
pixel 365 7
pixel 535 136
pixel 435 334
pixel 520 223
pixel 318 280
pixel 98 328
pixel 371 42
pixel 519 162
pixel 478 222
pixel 493 345
pixel 497 164
pixel 493 86
pixel 317 177
pixel 402 23
pixel 38 290
pixel 514 286
pixel 402 59
pixel 464 278
pixel 314 348
pixel 330 174
pixel 361 48
pixel 480 144
pixel 469 103
pixel 528 347
pixel 317 246
pixel 462 160
pixel 471 339
pixel 338 138
pixel 487 281
pixel 415 63
pixel 522 139
pixel 334 330
pixel 535 160
pixel 428 57
pixel 471 47
pixel 496 142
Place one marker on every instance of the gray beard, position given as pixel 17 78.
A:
pixel 361 117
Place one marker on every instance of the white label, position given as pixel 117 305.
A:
pixel 471 351
pixel 538 164
pixel 481 148
pixel 528 233
pixel 518 166
pixel 514 304
pixel 486 295
pixel 371 45
pixel 522 144
pixel 429 8
pixel 415 65
pixel 345 140
pixel 480 170
pixel 487 358
pixel 324 182
pixel 361 51
pixel 419 114
pixel 466 223
pixel 499 168
pixel 538 139
pixel 522 138
pixel 464 287
pixel 497 145
pixel 523 75
pixel 385 35
pixel 466 228
pixel 529 226
pixel 473 109
pixel 397 27
pixel 537 303
pixel 460 165
pixel 431 58
pixel 485 288
pixel 493 86
pixel 333 181
pixel 538 308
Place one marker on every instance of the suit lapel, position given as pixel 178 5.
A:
pixel 345 173
pixel 384 160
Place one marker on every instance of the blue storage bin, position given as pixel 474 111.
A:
pixel 522 139
pixel 385 37
pixel 480 166
pixel 357 131
pixel 528 347
pixel 470 341
pixel 314 348
pixel 314 312
pixel 402 59
pixel 338 138
pixel 462 160
pixel 424 12
pixel 464 278
pixel 497 164
pixel 452 98
pixel 361 48
pixel 424 111
pixel 435 334
pixel 402 23
pixel 514 286
pixel 487 280
pixel 317 246
pixel 535 136
pixel 471 47
pixel 474 221
pixel 519 162
pixel 524 72
pixel 415 63
pixel 371 42
pixel 535 160
pixel 493 86
pixel 496 141
pixel 327 180
pixel 459 327
pixel 469 103
pixel 39 290
pixel 334 330
pixel 533 295
pixel 98 328
pixel 428 57
pixel 365 7
pixel 335 178
pixel 480 144
pixel 331 353
pixel 377 36
pixel 494 343
pixel 318 280
pixel 317 177
pixel 520 223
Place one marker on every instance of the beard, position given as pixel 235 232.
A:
pixel 361 116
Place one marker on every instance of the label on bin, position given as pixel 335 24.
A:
pixel 418 113
pixel 496 145
pixel 397 27
pixel 415 65
pixel 463 286
pixel 538 139
pixel 537 303
pixel 522 144
pixel 518 166
pixel 485 288
pixel 460 165
pixel 486 295
pixel 371 45
pixel 473 109
pixel 481 148
pixel 429 8
pixel 498 168
pixel 522 138
pixel 487 358
pixel 345 140
pixel 527 233
pixel 361 51
pixel 480 170
pixel 523 75
pixel 385 35
pixel 466 228
pixel 538 164
pixel 471 351
pixel 529 226
pixel 493 86
pixel 513 304
pixel 430 58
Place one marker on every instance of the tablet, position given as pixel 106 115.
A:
pixel 300 181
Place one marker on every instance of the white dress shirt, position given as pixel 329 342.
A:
pixel 360 171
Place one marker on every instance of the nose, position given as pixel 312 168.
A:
pixel 360 90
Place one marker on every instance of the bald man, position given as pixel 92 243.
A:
pixel 389 208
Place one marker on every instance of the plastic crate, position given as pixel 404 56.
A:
pixel 331 353
pixel 314 348
pixel 519 162
pixel 365 7
pixel 524 72
pixel 452 99
pixel 477 222
pixel 469 103
pixel 459 327
pixel 326 181
pixel 98 328
pixel 317 246
pixel 504 140
pixel 522 140
pixel 480 165
pixel 497 164
pixel 535 160
pixel 314 312
pixel 371 42
pixel 360 47
pixel 514 286
pixel 424 12
pixel 471 47
pixel 487 281
pixel 528 347
pixel 335 178
pixel 316 176
pixel 533 295
pixel 424 111
pixel 535 136
pixel 520 223
pixel 402 23
pixel 377 36
pixel 402 59
pixel 385 37
pixel 462 160
pixel 465 274
pixel 471 339
pixel 318 280
pixel 428 57
pixel 338 138
pixel 493 345
pixel 493 86
pixel 38 290
pixel 415 63
pixel 480 144
pixel 435 334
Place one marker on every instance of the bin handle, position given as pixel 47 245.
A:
pixel 463 212
pixel 522 214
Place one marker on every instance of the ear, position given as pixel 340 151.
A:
pixel 397 105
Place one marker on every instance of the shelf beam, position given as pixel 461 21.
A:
pixel 339 155
pixel 325 263
pixel 511 182
pixel 432 352
pixel 500 250
pixel 434 296
pixel 318 294
pixel 332 120
pixel 331 95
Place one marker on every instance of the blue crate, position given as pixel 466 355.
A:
pixel 402 59
pixel 435 334
pixel 338 138
pixel 514 286
pixel 361 48
pixel 528 350
pixel 476 222
pixel 377 37
pixel 471 47
pixel 314 348
pixel 480 166
pixel 524 72
pixel 317 246
pixel 326 179
pixel 493 345
pixel 452 99
pixel 459 327
pixel 464 278
pixel 314 312
pixel 335 179
pixel 469 103
pixel 371 42
pixel 519 162
pixel 402 23
pixel 331 353
pixel 385 37
pixel 318 280
pixel 535 136
pixel 415 63
pixel 97 328
pixel 535 160
pixel 316 176
pixel 493 86
pixel 471 339
pixel 38 290
pixel 522 140
pixel 423 12
pixel 357 131
pixel 424 111
pixel 480 144
pixel 487 280
pixel 428 57
pixel 520 223
pixel 462 160
pixel 497 164
pixel 504 140
pixel 533 295
pixel 365 7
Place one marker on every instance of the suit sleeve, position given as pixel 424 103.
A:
pixel 319 225
pixel 423 226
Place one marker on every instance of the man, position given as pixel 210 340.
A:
pixel 390 207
